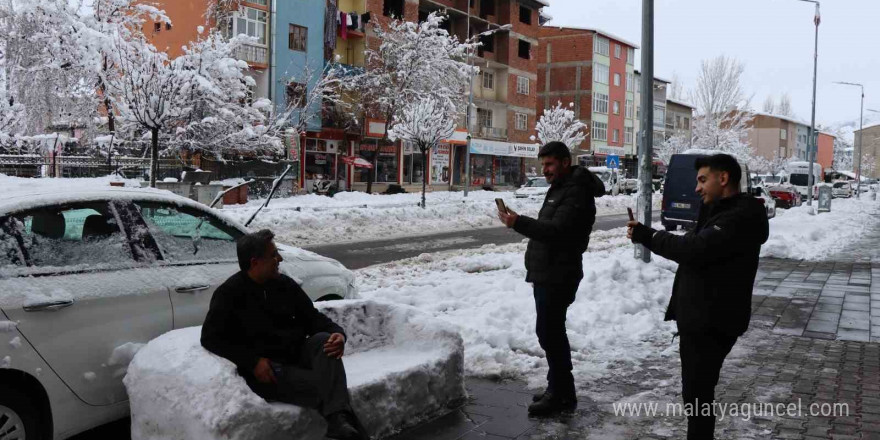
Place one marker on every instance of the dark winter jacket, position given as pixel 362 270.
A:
pixel 561 233
pixel 717 262
pixel 247 321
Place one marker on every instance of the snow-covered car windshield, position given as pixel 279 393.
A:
pixel 840 184
pixel 537 183
pixel 772 180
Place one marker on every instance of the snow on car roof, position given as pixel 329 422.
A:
pixel 21 198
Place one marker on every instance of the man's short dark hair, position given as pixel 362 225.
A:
pixel 721 162
pixel 555 149
pixel 253 245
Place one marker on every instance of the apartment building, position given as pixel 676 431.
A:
pixel 594 70
pixel 774 136
pixel 870 145
pixel 679 118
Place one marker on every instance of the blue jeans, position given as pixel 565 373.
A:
pixel 551 305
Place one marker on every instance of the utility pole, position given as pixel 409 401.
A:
pixel 646 148
pixel 467 148
pixel 861 127
pixel 814 148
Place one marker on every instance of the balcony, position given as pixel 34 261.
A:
pixel 493 133
pixel 256 56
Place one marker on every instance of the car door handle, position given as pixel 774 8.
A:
pixel 48 306
pixel 191 289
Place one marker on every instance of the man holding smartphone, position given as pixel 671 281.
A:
pixel 557 241
pixel 712 293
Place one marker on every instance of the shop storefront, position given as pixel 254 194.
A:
pixel 414 165
pixel 387 163
pixel 320 161
pixel 498 164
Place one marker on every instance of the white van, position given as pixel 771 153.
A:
pixel 799 175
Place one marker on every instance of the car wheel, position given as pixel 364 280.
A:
pixel 330 297
pixel 18 416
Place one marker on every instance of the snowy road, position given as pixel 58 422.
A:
pixel 363 254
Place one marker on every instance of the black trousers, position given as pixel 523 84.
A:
pixel 315 381
pixel 551 305
pixel 702 355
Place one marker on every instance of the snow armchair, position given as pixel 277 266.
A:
pixel 403 366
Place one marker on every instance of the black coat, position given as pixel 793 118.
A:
pixel 717 263
pixel 561 233
pixel 247 321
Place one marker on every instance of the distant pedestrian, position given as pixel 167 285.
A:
pixel 558 239
pixel 712 293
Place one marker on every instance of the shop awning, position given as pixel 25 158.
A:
pixel 358 162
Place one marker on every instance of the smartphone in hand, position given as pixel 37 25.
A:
pixel 629 211
pixel 501 206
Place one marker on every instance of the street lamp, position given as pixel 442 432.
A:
pixel 861 123
pixel 813 137
pixel 467 153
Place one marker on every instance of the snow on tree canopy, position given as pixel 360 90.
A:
pixel 560 124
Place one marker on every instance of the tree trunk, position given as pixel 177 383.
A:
pixel 154 156
pixel 372 171
pixel 424 173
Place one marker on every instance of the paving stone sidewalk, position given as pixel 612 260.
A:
pixel 812 343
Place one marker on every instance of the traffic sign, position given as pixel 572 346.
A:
pixel 612 161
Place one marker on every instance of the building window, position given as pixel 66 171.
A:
pixel 629 82
pixel 678 123
pixel 630 55
pixel 687 123
pixel 616 107
pixel 783 134
pixel 522 121
pixel 251 22
pixel 628 135
pixel 487 44
pixel 525 49
pixel 617 51
pixel 629 109
pixel 615 136
pixel 167 26
pixel 601 45
pixel 659 117
pixel 488 80
pixel 393 8
pixel 484 117
pixel 617 79
pixel 600 103
pixel 157 27
pixel 525 15
pixel 295 94
pixel 297 38
pixel 600 73
pixel 522 85
pixel 600 131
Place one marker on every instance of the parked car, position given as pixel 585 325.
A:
pixel 534 187
pixel 681 204
pixel 769 204
pixel 785 196
pixel 88 278
pixel 842 189
pixel 629 186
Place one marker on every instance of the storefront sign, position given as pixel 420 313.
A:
pixel 618 151
pixel 440 163
pixel 495 148
pixel 375 128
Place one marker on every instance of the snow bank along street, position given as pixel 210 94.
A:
pixel 616 320
pixel 354 216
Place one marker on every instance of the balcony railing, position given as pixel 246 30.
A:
pixel 493 132
pixel 252 54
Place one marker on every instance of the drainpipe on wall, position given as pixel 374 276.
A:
pixel 270 41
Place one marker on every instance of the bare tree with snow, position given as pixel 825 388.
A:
pixel 309 93
pixel 784 108
pixel 560 124
pixel 414 62
pixel 425 123
pixel 719 88
pixel 676 88
pixel 769 105
pixel 152 93
pixel 678 143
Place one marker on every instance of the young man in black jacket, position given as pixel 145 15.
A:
pixel 284 348
pixel 557 241
pixel 712 293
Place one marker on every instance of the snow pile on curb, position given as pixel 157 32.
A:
pixel 354 216
pixel 616 319
pixel 402 365
pixel 12 184
pixel 797 234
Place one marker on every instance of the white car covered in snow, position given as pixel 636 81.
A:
pixel 87 278
pixel 535 187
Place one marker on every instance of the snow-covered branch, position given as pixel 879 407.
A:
pixel 560 124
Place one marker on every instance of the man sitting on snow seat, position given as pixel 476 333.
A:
pixel 283 347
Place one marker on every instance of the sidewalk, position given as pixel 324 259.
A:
pixel 812 339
